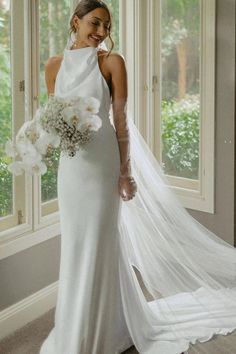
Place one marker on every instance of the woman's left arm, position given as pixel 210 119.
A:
pixel 117 68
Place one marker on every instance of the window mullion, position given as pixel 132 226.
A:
pixel 21 219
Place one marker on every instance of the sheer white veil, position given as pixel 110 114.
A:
pixel 188 271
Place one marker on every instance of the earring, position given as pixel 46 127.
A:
pixel 77 38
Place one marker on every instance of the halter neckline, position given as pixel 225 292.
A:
pixel 82 49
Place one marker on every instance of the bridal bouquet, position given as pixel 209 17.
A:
pixel 65 123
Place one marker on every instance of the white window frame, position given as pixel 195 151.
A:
pixel 20 221
pixel 140 45
pixel 36 227
pixel 45 214
pixel 136 42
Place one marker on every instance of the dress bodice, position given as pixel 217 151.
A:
pixel 80 75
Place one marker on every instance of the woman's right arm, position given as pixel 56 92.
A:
pixel 51 68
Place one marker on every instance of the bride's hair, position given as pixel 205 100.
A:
pixel 84 7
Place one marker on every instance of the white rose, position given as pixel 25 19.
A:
pixel 25 147
pixel 70 115
pixel 91 123
pixel 89 105
pixel 31 158
pixel 10 149
pixel 46 139
pixel 17 168
pixel 39 168
pixel 95 123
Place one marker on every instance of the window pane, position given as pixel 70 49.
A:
pixel 180 87
pixel 6 180
pixel 114 7
pixel 54 17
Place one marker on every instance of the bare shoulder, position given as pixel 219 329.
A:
pixel 52 66
pixel 54 60
pixel 115 62
pixel 53 63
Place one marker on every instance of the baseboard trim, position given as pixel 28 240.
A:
pixel 18 315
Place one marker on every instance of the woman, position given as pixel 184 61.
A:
pixel 189 273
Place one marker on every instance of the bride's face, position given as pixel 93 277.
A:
pixel 93 28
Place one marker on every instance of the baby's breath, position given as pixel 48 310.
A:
pixel 52 121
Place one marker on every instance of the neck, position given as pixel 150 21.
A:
pixel 77 45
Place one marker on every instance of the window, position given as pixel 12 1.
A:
pixel 15 192
pixel 6 108
pixel 172 79
pixel 180 87
pixel 52 40
pixel 31 32
pixel 187 83
pixel 114 6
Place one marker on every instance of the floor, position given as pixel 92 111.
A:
pixel 28 339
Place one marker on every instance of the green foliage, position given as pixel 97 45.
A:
pixel 186 10
pixel 54 32
pixel 5 82
pixel 180 47
pixel 5 112
pixel 180 137
pixel 5 190
pixel 114 8
pixel 172 34
pixel 49 179
pixel 180 19
pixel 5 98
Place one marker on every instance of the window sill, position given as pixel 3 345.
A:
pixel 29 239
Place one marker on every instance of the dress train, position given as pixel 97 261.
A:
pixel 189 271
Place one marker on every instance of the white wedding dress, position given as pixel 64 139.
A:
pixel 189 272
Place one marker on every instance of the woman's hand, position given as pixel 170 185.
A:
pixel 127 187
